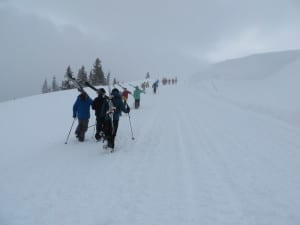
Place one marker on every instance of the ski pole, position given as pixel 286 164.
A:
pixel 132 138
pixel 70 130
pixel 94 125
pixel 94 130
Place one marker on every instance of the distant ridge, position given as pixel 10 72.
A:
pixel 253 67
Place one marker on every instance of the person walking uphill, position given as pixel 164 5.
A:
pixel 100 118
pixel 125 94
pixel 137 97
pixel 81 110
pixel 112 108
pixel 155 86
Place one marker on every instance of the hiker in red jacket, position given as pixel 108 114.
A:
pixel 125 95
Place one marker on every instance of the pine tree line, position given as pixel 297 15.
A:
pixel 96 77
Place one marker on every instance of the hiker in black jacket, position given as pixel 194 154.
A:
pixel 100 117
pixel 112 115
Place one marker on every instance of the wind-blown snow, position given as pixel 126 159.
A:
pixel 201 155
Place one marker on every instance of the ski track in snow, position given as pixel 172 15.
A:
pixel 195 160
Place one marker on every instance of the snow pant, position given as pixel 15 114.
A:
pixel 110 132
pixel 136 103
pixel 81 129
pixel 99 127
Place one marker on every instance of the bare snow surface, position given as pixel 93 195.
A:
pixel 201 155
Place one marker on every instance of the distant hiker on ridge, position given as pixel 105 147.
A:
pixel 155 86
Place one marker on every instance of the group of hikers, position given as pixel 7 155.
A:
pixel 169 81
pixel 107 109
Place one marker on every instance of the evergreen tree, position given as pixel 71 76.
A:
pixel 82 76
pixel 105 80
pixel 66 84
pixel 114 81
pixel 45 88
pixel 55 87
pixel 147 75
pixel 91 78
pixel 69 72
pixel 97 75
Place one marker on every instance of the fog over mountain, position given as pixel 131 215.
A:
pixel 40 38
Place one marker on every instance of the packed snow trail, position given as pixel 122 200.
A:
pixel 195 160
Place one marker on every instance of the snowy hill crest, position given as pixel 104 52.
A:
pixel 258 66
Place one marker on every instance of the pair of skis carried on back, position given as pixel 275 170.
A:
pixel 79 86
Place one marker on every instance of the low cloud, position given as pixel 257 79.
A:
pixel 40 39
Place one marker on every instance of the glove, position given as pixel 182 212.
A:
pixel 112 110
pixel 128 109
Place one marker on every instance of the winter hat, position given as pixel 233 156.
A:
pixel 101 91
pixel 83 95
pixel 115 90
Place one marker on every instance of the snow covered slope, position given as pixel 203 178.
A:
pixel 253 67
pixel 272 90
pixel 196 159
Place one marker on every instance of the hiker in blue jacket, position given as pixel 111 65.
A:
pixel 155 86
pixel 81 110
pixel 112 108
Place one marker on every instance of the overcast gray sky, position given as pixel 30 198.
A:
pixel 40 38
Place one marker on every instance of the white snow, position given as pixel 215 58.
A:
pixel 205 152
